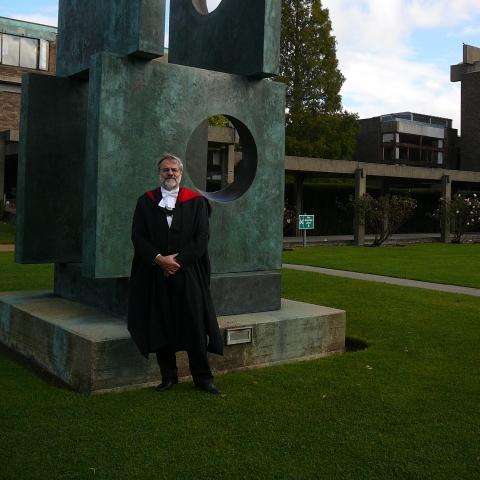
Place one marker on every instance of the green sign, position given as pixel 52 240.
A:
pixel 306 222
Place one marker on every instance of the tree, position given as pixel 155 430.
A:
pixel 384 215
pixel 322 135
pixel 218 121
pixel 461 214
pixel 316 124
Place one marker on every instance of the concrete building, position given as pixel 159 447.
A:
pixel 24 47
pixel 468 73
pixel 408 138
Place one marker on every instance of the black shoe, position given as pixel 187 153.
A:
pixel 166 385
pixel 208 387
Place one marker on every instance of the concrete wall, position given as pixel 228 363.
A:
pixel 369 141
pixel 452 149
pixel 470 143
pixel 412 128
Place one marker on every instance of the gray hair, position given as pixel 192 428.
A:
pixel 169 156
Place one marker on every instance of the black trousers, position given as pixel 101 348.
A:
pixel 198 362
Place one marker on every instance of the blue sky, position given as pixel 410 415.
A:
pixel 395 54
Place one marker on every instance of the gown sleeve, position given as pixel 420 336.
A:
pixel 197 246
pixel 140 236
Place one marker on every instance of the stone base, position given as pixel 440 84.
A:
pixel 92 351
pixel 232 293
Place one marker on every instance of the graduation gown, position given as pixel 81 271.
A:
pixel 175 311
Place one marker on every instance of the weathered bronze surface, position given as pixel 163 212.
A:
pixel 240 36
pixel 51 170
pixel 83 166
pixel 127 27
pixel 143 110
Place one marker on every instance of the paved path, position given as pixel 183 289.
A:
pixel 390 280
pixel 7 247
pixel 395 239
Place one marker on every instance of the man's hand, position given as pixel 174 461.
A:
pixel 168 264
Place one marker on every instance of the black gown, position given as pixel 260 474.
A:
pixel 175 311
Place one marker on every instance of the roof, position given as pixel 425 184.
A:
pixel 23 28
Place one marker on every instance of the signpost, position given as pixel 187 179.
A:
pixel 306 222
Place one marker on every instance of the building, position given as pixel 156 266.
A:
pixel 24 47
pixel 468 73
pixel 408 138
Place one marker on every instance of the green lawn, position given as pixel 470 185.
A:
pixel 23 277
pixel 405 408
pixel 432 262
pixel 7 233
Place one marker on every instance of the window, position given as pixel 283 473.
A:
pixel 28 52
pixel 24 52
pixel 43 58
pixel 10 50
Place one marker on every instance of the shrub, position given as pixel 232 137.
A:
pixel 384 215
pixel 289 220
pixel 460 214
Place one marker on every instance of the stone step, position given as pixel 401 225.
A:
pixel 92 351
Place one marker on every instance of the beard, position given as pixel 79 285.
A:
pixel 171 183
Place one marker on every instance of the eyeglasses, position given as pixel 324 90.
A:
pixel 166 170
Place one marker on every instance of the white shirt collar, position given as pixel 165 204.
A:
pixel 173 192
pixel 169 197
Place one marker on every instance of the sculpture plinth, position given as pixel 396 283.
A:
pixel 91 351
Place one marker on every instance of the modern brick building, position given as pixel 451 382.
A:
pixel 24 47
pixel 408 138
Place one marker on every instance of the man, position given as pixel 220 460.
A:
pixel 170 306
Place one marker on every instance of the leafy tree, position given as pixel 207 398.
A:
pixel 322 135
pixel 218 121
pixel 316 124
pixel 384 215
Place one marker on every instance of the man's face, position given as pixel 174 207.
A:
pixel 170 174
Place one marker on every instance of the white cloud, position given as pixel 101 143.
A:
pixel 434 13
pixel 381 61
pixel 383 84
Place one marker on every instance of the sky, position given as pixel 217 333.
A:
pixel 395 54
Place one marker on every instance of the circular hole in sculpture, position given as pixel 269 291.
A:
pixel 204 7
pixel 221 158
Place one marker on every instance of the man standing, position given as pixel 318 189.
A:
pixel 170 306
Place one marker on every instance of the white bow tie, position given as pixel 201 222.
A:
pixel 169 198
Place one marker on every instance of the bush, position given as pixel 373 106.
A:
pixel 460 214
pixel 384 215
pixel 289 220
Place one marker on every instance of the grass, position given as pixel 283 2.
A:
pixel 7 233
pixel 432 262
pixel 23 277
pixel 407 407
